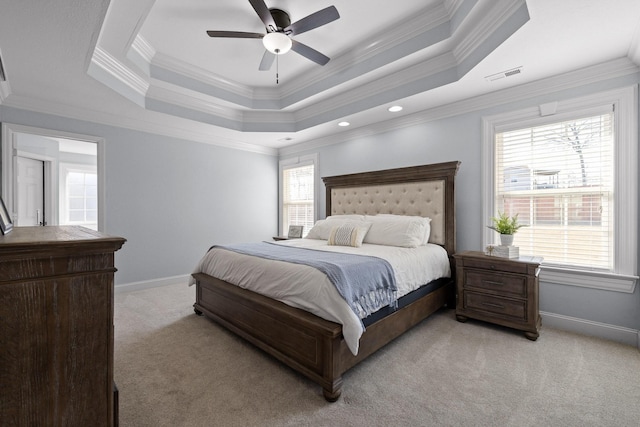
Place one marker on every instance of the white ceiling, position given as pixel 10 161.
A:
pixel 150 65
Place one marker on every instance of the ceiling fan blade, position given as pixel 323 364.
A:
pixel 267 61
pixel 309 53
pixel 265 14
pixel 235 34
pixel 314 20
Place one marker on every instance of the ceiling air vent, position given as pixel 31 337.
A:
pixel 503 74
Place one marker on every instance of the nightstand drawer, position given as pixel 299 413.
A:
pixel 496 264
pixel 515 309
pixel 502 283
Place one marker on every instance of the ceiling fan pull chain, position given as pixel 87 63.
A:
pixel 277 67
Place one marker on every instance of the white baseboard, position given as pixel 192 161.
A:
pixel 582 326
pixel 587 327
pixel 147 284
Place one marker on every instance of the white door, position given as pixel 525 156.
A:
pixel 30 192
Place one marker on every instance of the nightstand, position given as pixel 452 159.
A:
pixel 499 290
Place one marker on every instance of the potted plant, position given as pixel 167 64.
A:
pixel 507 226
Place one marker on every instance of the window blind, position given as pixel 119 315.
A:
pixel 558 178
pixel 298 197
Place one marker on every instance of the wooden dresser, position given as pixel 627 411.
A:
pixel 499 290
pixel 56 327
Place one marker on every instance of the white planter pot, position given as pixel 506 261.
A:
pixel 506 239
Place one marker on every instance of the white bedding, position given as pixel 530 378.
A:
pixel 305 287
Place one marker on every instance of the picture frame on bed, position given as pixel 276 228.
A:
pixel 295 231
pixel 5 219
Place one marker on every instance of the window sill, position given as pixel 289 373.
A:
pixel 589 279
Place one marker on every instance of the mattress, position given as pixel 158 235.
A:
pixel 309 289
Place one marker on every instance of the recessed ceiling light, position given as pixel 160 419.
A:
pixel 344 124
pixel 395 108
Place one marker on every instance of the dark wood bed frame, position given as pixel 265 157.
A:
pixel 307 343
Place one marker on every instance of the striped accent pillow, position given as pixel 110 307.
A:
pixel 350 234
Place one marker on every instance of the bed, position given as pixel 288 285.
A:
pixel 312 345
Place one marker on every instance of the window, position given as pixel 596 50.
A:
pixel 558 178
pixel 570 176
pixel 298 193
pixel 79 196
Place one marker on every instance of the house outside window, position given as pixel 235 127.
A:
pixel 297 193
pixel 571 176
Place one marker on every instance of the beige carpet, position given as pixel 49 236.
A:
pixel 174 368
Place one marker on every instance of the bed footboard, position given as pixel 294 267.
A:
pixel 306 343
pixel 302 341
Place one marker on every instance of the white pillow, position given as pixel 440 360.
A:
pixel 322 228
pixel 349 234
pixel 427 223
pixel 350 217
pixel 398 230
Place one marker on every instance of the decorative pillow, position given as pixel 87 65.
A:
pixel 349 234
pixel 398 230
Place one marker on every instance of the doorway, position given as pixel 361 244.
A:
pixel 52 178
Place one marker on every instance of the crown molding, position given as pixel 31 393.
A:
pixel 141 54
pixel 197 102
pixel 5 91
pixel 600 72
pixel 425 75
pixel 386 48
pixel 208 78
pixel 143 48
pixel 452 6
pixel 484 25
pixel 158 127
pixel 420 31
pixel 577 78
pixel 388 84
pixel 634 48
pixel 222 102
pixel 116 69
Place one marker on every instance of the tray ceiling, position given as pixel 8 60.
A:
pixel 150 64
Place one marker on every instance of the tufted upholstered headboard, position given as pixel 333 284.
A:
pixel 427 191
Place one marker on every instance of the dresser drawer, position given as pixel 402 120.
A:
pixel 504 284
pixel 504 307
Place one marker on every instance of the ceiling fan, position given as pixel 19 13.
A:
pixel 277 40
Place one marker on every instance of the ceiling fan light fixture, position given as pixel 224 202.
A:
pixel 278 43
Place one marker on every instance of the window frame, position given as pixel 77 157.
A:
pixel 291 163
pixel 625 107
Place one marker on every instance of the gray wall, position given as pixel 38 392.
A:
pixel 460 138
pixel 172 199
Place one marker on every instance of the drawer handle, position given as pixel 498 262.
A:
pixel 491 282
pixel 493 305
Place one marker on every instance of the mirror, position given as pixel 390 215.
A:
pixel 51 178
